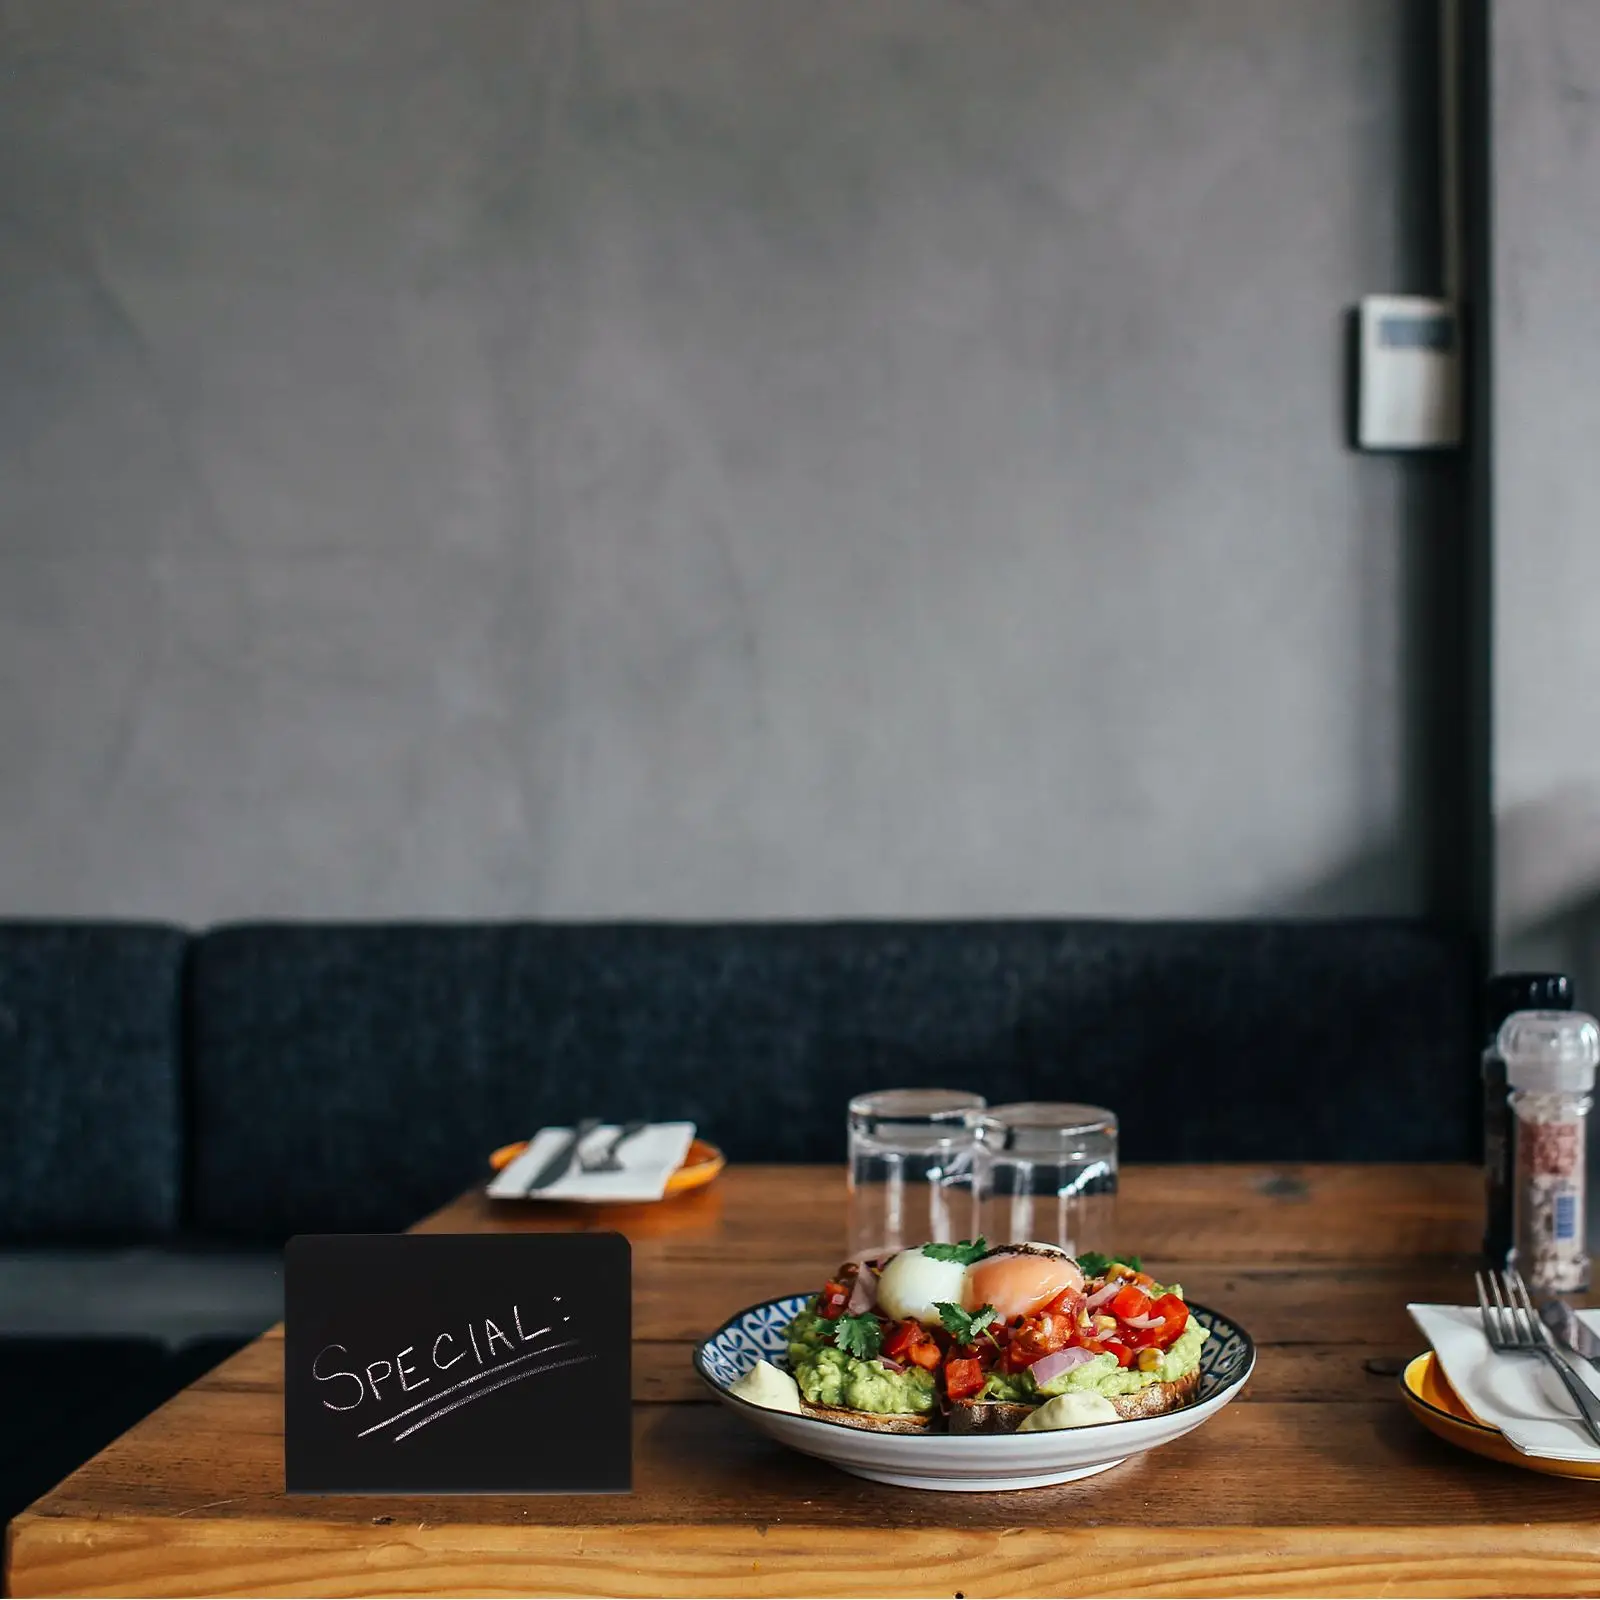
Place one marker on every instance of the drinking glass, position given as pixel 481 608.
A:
pixel 912 1154
pixel 1047 1172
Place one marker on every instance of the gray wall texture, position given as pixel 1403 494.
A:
pixel 590 458
pixel 1547 510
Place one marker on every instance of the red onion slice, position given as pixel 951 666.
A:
pixel 1052 1366
pixel 1100 1296
pixel 1143 1322
pixel 890 1366
pixel 863 1292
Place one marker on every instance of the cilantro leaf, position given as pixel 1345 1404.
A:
pixel 860 1336
pixel 966 1326
pixel 965 1253
pixel 1095 1265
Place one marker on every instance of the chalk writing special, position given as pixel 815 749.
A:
pixel 458 1365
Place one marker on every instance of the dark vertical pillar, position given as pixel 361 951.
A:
pixel 1476 156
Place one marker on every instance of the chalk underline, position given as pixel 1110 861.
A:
pixel 487 1372
pixel 467 1399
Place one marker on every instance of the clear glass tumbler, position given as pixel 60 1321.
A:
pixel 912 1154
pixel 1047 1172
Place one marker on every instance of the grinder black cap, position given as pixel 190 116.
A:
pixel 1524 991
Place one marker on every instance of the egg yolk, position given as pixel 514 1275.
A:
pixel 1018 1285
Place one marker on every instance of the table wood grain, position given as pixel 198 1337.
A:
pixel 1316 1482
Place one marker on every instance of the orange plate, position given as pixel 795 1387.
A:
pixel 1431 1400
pixel 702 1163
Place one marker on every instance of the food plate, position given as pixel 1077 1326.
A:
pixel 700 1166
pixel 974 1464
pixel 1431 1400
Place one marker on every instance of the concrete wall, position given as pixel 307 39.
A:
pixel 707 459
pixel 1547 495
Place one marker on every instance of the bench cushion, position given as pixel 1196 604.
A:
pixel 350 1077
pixel 1270 1041
pixel 90 1062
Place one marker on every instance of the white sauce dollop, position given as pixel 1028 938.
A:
pixel 766 1385
pixel 1069 1411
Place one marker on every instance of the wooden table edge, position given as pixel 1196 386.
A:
pixel 720 1559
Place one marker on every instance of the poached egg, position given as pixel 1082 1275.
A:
pixel 1019 1279
pixel 1016 1280
pixel 913 1284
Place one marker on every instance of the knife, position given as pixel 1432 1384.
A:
pixel 1577 1336
pixel 556 1166
pixel 607 1160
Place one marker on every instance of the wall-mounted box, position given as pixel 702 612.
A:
pixel 1409 373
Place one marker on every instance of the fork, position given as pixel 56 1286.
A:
pixel 1513 1328
pixel 607 1160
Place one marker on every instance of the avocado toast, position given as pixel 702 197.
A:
pixel 976 1340
pixel 843 1375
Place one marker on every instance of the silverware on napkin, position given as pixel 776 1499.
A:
pixel 1512 1327
pixel 1573 1333
pixel 607 1160
pixel 556 1167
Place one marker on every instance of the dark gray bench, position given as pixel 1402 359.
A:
pixel 353 1077
pixel 92 1140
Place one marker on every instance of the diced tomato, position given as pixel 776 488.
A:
pixel 1056 1329
pixel 1174 1316
pixel 1037 1337
pixel 1101 1347
pixel 1066 1303
pixel 1129 1302
pixel 901 1337
pixel 963 1377
pixel 1016 1355
pixel 835 1297
pixel 910 1342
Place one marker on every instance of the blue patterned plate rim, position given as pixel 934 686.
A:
pixel 1233 1343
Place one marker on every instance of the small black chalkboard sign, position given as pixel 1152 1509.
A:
pixel 457 1364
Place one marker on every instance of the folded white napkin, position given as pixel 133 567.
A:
pixel 1520 1395
pixel 648 1159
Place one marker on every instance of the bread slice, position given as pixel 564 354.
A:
pixel 1005 1416
pixel 873 1421
pixel 988 1416
pixel 1159 1398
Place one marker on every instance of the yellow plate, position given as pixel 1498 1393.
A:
pixel 702 1163
pixel 1431 1400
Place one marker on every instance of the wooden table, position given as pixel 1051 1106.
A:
pixel 1315 1482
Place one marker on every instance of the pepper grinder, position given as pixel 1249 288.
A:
pixel 1507 993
